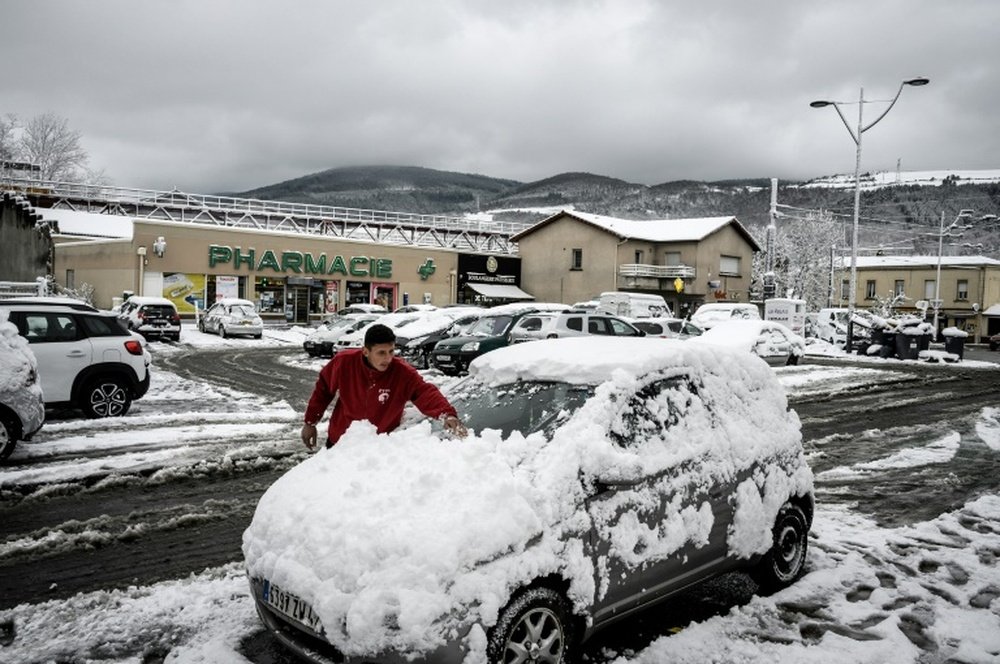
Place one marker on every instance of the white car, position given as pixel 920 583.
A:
pixel 22 408
pixel 321 343
pixel 601 475
pixel 769 340
pixel 87 359
pixel 232 317
pixel 668 328
pixel 713 313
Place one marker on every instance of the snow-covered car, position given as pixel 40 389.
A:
pixel 668 328
pixel 767 339
pixel 570 324
pixel 601 475
pixel 994 341
pixel 416 341
pixel 151 317
pixel 22 408
pixel 713 313
pixel 232 317
pixel 323 340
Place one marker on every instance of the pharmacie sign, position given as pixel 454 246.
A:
pixel 299 262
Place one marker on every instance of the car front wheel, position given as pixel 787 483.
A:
pixel 786 560
pixel 9 433
pixel 537 626
pixel 106 397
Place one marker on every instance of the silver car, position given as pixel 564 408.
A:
pixel 232 317
pixel 602 475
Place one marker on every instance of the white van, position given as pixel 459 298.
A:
pixel 831 324
pixel 788 311
pixel 634 305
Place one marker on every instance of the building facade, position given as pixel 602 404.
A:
pixel 574 256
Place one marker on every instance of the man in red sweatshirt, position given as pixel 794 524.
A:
pixel 373 384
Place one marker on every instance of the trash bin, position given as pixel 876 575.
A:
pixel 955 346
pixel 923 342
pixel 906 346
pixel 888 348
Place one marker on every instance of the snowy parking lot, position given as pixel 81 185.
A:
pixel 903 562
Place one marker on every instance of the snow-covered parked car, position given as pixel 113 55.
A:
pixel 232 316
pixel 770 341
pixel 324 339
pixel 713 313
pixel 601 475
pixel 22 408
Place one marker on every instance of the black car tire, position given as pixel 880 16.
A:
pixel 222 332
pixel 537 625
pixel 10 432
pixel 786 561
pixel 106 397
pixel 793 360
pixel 258 336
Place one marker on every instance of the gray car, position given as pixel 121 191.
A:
pixel 602 475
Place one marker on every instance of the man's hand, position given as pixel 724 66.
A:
pixel 455 426
pixel 309 436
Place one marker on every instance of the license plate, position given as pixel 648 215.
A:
pixel 244 322
pixel 291 605
pixel 442 358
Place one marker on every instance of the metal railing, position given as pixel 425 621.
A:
pixel 333 221
pixel 656 271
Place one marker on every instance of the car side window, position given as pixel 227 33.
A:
pixel 48 328
pixel 531 324
pixel 102 326
pixel 620 328
pixel 575 323
pixel 651 410
pixel 598 326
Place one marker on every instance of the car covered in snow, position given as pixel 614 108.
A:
pixel 323 340
pixel 22 408
pixel 713 313
pixel 668 328
pixel 769 340
pixel 151 317
pixel 601 475
pixel 231 317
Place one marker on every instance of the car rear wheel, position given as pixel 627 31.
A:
pixel 9 433
pixel 786 560
pixel 537 626
pixel 106 397
pixel 222 332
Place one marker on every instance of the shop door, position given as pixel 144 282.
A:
pixel 384 294
pixel 300 303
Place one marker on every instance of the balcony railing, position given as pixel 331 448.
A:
pixel 656 271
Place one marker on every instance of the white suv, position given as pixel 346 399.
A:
pixel 545 325
pixel 86 359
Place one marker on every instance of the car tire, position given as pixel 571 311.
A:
pixel 106 397
pixel 786 560
pixel 222 332
pixel 258 336
pixel 10 432
pixel 793 360
pixel 537 623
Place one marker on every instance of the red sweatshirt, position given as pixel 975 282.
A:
pixel 368 394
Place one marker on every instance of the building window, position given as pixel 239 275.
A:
pixel 899 289
pixel 870 289
pixel 577 263
pixel 963 290
pixel 929 285
pixel 638 255
pixel 672 258
pixel 845 289
pixel 71 279
pixel 729 266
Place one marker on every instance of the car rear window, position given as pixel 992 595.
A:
pixel 104 326
pixel 160 310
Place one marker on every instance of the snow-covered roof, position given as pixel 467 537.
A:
pixel 923 261
pixel 652 230
pixel 88 224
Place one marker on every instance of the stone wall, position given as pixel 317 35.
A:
pixel 25 248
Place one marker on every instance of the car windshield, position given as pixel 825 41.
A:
pixel 490 326
pixel 524 406
pixel 242 310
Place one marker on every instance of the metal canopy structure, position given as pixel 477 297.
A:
pixel 379 226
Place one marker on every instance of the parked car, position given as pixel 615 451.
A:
pixel 22 407
pixel 668 328
pixel 601 476
pixel 151 317
pixel 416 342
pixel 362 308
pixel 86 359
pixel 231 317
pixel 713 313
pixel 452 356
pixel 323 340
pixel 769 340
pixel 570 324
pixel 994 341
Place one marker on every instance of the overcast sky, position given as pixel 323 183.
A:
pixel 212 96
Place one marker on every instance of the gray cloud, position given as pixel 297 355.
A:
pixel 215 96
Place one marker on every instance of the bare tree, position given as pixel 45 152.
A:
pixel 8 142
pixel 802 256
pixel 48 142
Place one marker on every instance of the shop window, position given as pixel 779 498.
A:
pixel 271 294
pixel 963 290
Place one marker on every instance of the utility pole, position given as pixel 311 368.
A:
pixel 769 285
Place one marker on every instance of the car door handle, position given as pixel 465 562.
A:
pixel 75 353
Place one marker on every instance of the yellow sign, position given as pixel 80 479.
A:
pixel 679 285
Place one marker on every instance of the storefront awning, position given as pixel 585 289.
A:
pixel 500 291
pixel 992 310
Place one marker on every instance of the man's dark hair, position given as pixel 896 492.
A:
pixel 379 334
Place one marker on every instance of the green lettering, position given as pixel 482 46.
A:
pixel 241 258
pixel 291 260
pixel 219 254
pixel 268 260
pixel 337 265
pixel 358 260
pixel 383 268
pixel 316 267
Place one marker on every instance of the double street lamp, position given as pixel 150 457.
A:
pixel 856 136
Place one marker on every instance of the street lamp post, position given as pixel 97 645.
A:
pixel 856 136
